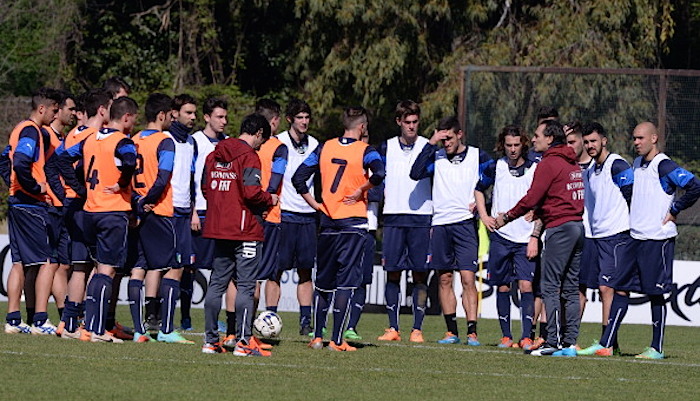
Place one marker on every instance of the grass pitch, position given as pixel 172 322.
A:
pixel 50 368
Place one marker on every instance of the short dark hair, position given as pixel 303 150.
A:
pixel 46 97
pixel 407 108
pixel 547 113
pixel 575 127
pixel 352 116
pixel 64 95
pixel 80 102
pixel 268 108
pixel 594 127
pixel 296 106
pixel 181 100
pixel 212 103
pixel 113 84
pixel 449 123
pixel 253 123
pixel 156 103
pixel 512 130
pixel 554 129
pixel 120 107
pixel 95 98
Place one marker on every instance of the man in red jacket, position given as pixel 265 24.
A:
pixel 235 202
pixel 556 194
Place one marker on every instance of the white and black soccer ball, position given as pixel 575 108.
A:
pixel 267 324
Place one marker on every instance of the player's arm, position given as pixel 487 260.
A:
pixel 6 165
pixel 126 154
pixel 372 161
pixel 279 166
pixel 541 182
pixel 253 193
pixel 166 161
pixel 673 176
pixel 623 177
pixel 24 157
pixel 62 162
pixel 487 176
pixel 305 171
pixel 424 166
pixel 533 245
pixel 193 182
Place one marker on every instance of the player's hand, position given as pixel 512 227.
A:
pixel 530 216
pixel 489 222
pixel 353 197
pixel 275 199
pixel 195 223
pixel 472 207
pixel 133 221
pixel 42 187
pixel 669 218
pixel 533 248
pixel 438 136
pixel 264 214
pixel 112 189
pixel 499 221
pixel 148 208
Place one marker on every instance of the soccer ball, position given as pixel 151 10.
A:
pixel 267 324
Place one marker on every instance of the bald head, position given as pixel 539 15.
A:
pixel 646 138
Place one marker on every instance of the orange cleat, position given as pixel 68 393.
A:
pixel 250 349
pixel 344 346
pixel 416 336
pixel 121 332
pixel 390 334
pixel 605 352
pixel 257 342
pixel 316 343
pixel 525 344
pixel 506 342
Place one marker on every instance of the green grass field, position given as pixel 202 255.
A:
pixel 53 368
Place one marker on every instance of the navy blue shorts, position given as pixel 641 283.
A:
pixel 341 254
pixel 508 261
pixel 183 233
pixel 297 246
pixel 60 234
pixel 106 233
pixel 269 268
pixel 132 249
pixel 74 216
pixel 157 243
pixel 648 268
pixel 612 252
pixel 455 246
pixel 30 229
pixel 368 260
pixel 406 248
pixel 203 247
pixel 589 267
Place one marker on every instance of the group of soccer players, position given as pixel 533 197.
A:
pixel 100 202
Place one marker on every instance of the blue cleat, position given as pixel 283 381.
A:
pixel 449 339
pixel 472 340
pixel 173 338
pixel 650 353
pixel 566 352
pixel 590 350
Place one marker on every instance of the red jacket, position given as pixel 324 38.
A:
pixel 235 199
pixel 557 191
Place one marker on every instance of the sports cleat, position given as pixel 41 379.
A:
pixel 105 338
pixel 121 332
pixel 650 353
pixel 416 336
pixel 21 328
pixel 213 349
pixel 316 343
pixel 605 352
pixel 506 342
pixel 243 349
pixel 60 328
pixel 306 331
pixel 566 352
pixel 186 324
pixel 143 338
pixel 352 335
pixel 390 334
pixel 44 330
pixel 229 342
pixel 449 339
pixel 151 324
pixel 590 350
pixel 173 338
pixel 525 344
pixel 545 350
pixel 343 347
pixel 311 334
pixel 472 340
pixel 256 341
pixel 80 334
pixel 538 342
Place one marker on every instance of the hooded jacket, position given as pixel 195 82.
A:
pixel 556 193
pixel 231 185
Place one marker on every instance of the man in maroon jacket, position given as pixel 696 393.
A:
pixel 235 202
pixel 556 194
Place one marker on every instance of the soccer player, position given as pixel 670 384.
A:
pixel 513 248
pixel 29 224
pixel 235 200
pixel 117 87
pixel 273 160
pixel 557 193
pixel 653 213
pixel 184 115
pixel 408 209
pixel 455 170
pixel 297 247
pixel 108 161
pixel 156 232
pixel 342 163
pixel 97 107
pixel 608 185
